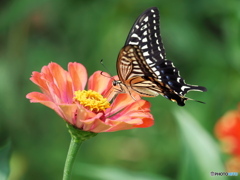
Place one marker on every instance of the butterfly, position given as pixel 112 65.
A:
pixel 142 65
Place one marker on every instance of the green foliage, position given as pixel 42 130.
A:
pixel 201 37
pixel 5 151
pixel 201 154
pixel 110 173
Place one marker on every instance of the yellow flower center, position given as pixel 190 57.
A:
pixel 91 100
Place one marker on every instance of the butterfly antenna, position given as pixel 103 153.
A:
pixel 196 100
pixel 105 68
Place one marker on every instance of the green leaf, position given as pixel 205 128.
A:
pixel 5 152
pixel 201 154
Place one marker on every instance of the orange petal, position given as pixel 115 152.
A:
pixel 47 81
pixel 68 111
pixel 99 126
pixel 60 77
pixel 120 102
pixel 78 74
pixel 146 122
pixel 37 97
pixel 120 125
pixel 94 124
pixel 227 130
pixel 38 80
pixel 98 82
pixel 138 114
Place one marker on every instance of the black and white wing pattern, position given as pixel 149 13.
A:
pixel 145 33
pixel 150 64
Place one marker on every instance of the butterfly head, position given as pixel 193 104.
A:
pixel 115 82
pixel 120 87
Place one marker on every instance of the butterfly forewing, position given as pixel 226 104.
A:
pixel 146 34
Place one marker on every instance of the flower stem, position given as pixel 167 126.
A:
pixel 77 137
pixel 72 152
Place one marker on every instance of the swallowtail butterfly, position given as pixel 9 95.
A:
pixel 142 65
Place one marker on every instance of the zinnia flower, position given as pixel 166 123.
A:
pixel 227 130
pixel 88 110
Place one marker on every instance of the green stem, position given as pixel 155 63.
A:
pixel 72 152
pixel 77 137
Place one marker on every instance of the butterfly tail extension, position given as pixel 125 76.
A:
pixel 197 88
pixel 185 88
pixel 180 98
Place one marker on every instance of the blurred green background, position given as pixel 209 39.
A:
pixel 200 37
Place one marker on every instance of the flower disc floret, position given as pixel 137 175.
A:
pixel 91 100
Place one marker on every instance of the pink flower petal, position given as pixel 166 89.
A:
pixel 94 124
pixel 38 80
pixel 99 83
pixel 120 126
pixel 78 74
pixel 37 97
pixel 121 101
pixel 68 112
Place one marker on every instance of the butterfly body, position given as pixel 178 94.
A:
pixel 142 65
